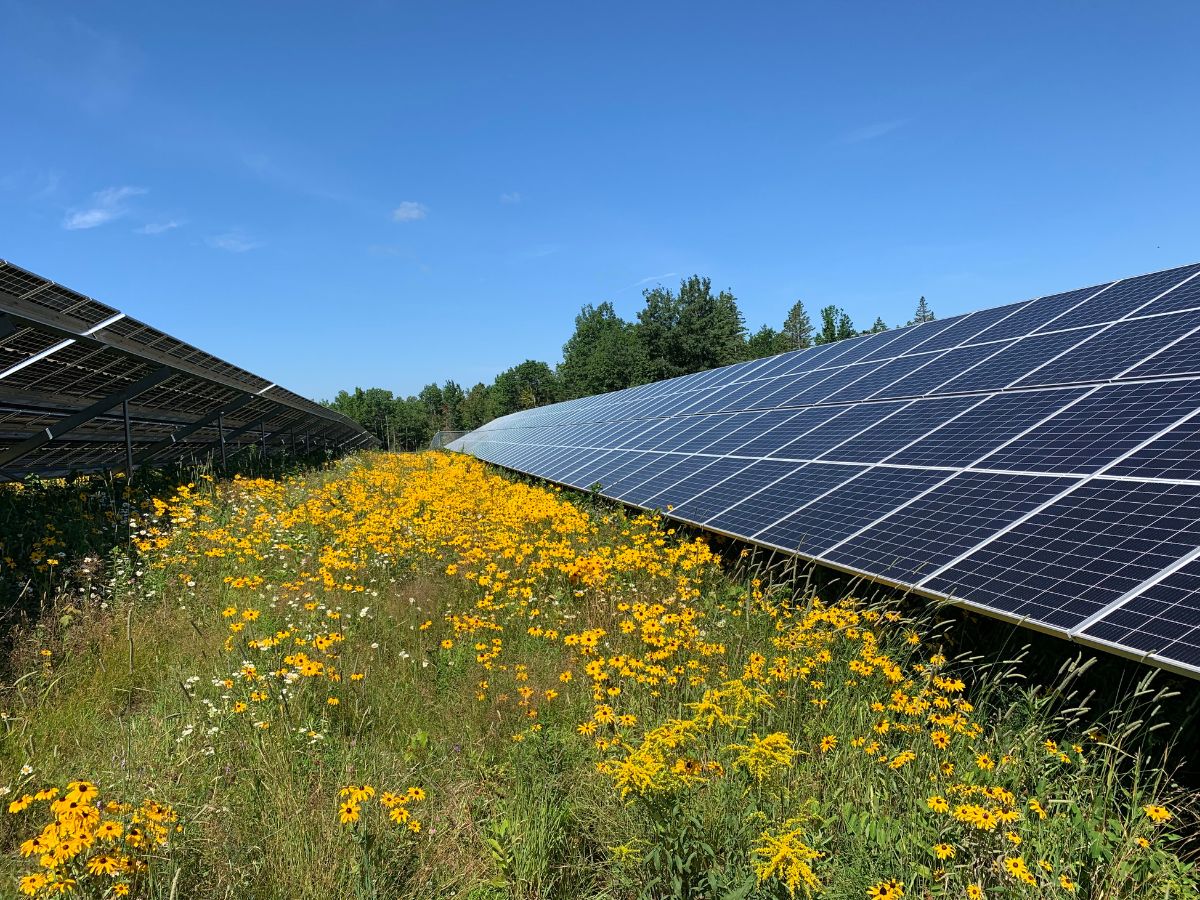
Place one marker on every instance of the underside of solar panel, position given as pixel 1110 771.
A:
pixel 84 388
pixel 1038 462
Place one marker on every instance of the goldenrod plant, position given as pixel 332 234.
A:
pixel 414 676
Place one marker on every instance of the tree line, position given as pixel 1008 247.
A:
pixel 675 333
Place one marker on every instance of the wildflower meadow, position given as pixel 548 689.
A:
pixel 408 675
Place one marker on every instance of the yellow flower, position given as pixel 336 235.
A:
pixel 786 857
pixel 974 892
pixel 943 851
pixel 1015 866
pixel 1066 883
pixel 886 890
pixel 103 864
pixel 761 757
pixel 32 883
pixel 938 804
pixel 828 743
pixel 348 813
pixel 1157 814
pixel 109 830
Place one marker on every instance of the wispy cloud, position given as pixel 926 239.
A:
pixel 236 241
pixel 649 279
pixel 157 227
pixel 511 197
pixel 409 211
pixel 39 185
pixel 872 131
pixel 107 205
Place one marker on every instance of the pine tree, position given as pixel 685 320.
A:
pixel 923 313
pixel 798 328
pixel 879 326
pixel 836 325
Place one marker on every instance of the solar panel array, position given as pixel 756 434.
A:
pixel 1039 462
pixel 71 367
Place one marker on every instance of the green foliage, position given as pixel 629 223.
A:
pixel 836 325
pixel 524 386
pixel 690 331
pixel 602 355
pixel 405 423
pixel 676 333
pixel 766 342
pixel 797 328
pixel 923 313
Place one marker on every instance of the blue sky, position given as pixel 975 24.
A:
pixel 386 194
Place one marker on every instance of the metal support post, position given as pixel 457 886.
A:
pixel 128 441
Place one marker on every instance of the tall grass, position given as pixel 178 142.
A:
pixel 408 676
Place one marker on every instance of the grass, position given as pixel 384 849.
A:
pixel 409 676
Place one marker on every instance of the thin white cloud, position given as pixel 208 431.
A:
pixel 872 131
pixel 511 197
pixel 233 242
pixel 409 211
pixel 647 280
pixel 157 227
pixel 107 205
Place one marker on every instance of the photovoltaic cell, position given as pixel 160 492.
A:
pixel 787 431
pixel 709 471
pixel 905 426
pixel 937 369
pixel 1113 350
pixel 639 488
pixel 846 424
pixel 968 328
pixel 1175 455
pixel 953 517
pixel 1098 428
pixel 910 337
pixel 1164 619
pixel 1179 358
pixel 1014 361
pixel 1040 313
pixel 880 378
pixel 723 494
pixel 1081 553
pixel 1124 297
pixel 981 429
pixel 829 519
pixel 1184 296
pixel 766 507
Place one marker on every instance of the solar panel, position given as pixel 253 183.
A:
pixel 83 387
pixel 1038 462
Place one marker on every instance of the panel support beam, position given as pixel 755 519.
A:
pixel 188 430
pixel 99 408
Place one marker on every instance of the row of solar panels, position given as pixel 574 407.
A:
pixel 1038 461
pixel 83 387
